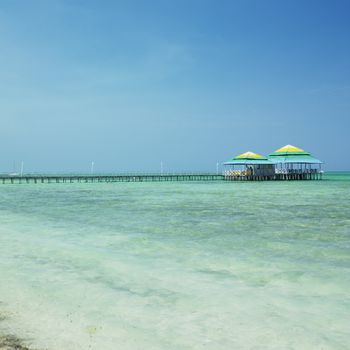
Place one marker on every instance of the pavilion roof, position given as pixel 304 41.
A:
pixel 301 159
pixel 250 155
pixel 248 158
pixel 289 150
pixel 292 154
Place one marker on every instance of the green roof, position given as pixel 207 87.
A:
pixel 286 154
pixel 292 154
pixel 301 159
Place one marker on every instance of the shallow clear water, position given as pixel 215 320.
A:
pixel 177 265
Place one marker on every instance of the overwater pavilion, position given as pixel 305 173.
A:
pixel 249 166
pixel 293 163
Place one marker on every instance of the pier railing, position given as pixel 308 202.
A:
pixel 96 178
pixel 154 177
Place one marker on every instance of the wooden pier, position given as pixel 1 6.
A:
pixel 37 179
pixel 315 175
pixel 293 176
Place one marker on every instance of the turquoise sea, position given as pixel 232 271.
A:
pixel 201 265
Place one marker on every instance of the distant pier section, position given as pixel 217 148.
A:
pixel 37 179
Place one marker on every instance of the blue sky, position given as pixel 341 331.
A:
pixel 127 84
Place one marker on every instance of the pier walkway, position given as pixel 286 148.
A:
pixel 290 176
pixel 40 178
pixel 18 179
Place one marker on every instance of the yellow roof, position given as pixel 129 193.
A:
pixel 290 149
pixel 250 155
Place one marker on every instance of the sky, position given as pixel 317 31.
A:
pixel 190 83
